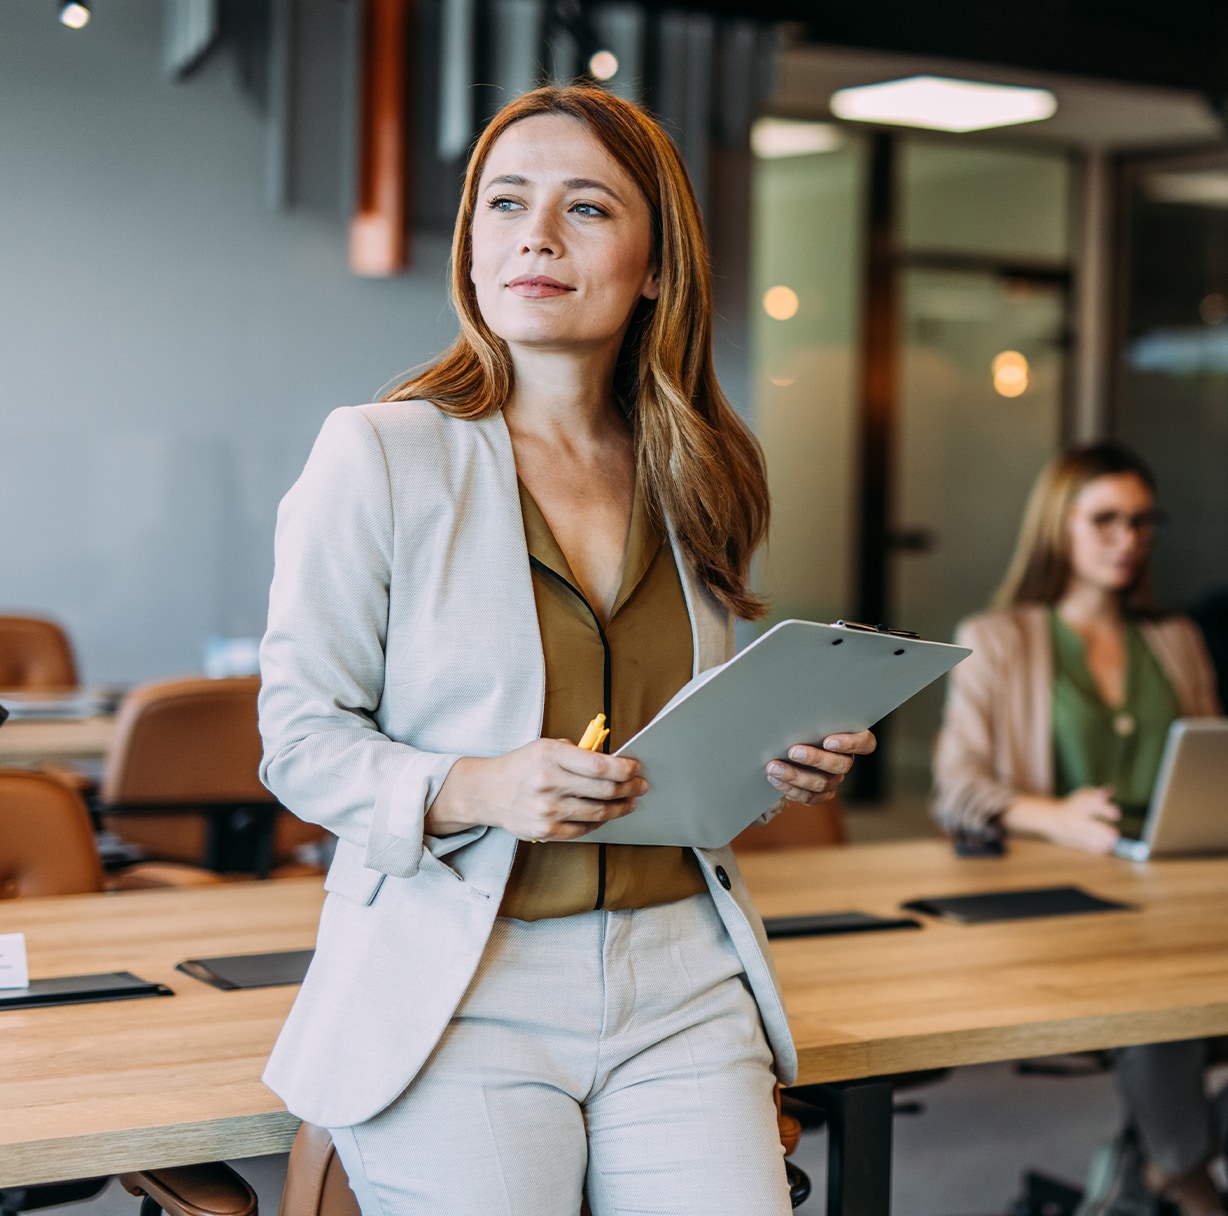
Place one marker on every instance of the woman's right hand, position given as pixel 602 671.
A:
pixel 549 789
pixel 1085 819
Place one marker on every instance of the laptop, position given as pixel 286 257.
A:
pixel 1189 805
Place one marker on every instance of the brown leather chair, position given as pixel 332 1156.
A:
pixel 181 779
pixel 35 653
pixel 316 1185
pixel 36 656
pixel 796 827
pixel 46 840
pixel 47 844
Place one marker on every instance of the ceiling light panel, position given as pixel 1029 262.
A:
pixel 774 138
pixel 939 104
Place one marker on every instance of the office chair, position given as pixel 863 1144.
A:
pixel 181 780
pixel 35 653
pixel 315 1185
pixel 37 656
pixel 796 827
pixel 46 841
pixel 47 845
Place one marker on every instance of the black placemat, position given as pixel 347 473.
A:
pixel 81 990
pixel 817 924
pixel 249 970
pixel 1014 905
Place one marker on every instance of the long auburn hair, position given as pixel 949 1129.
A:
pixel 1040 568
pixel 698 464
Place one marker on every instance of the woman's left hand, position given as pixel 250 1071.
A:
pixel 813 771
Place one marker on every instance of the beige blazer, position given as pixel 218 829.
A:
pixel 996 740
pixel 402 635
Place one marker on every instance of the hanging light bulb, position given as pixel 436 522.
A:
pixel 603 65
pixel 75 14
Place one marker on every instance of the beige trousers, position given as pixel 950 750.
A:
pixel 614 1052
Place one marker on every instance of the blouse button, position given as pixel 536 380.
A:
pixel 723 878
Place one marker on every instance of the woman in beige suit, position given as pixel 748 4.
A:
pixel 553 519
pixel 1055 724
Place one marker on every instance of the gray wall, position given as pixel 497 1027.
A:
pixel 168 345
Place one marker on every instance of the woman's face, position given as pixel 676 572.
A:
pixel 561 240
pixel 1111 525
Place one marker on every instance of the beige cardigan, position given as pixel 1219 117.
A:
pixel 996 740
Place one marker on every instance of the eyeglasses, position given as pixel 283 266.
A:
pixel 1145 523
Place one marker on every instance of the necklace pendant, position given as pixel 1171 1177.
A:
pixel 1124 724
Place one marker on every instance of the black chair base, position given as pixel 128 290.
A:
pixel 18 1199
pixel 799 1184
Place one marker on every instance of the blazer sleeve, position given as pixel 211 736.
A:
pixel 969 793
pixel 322 657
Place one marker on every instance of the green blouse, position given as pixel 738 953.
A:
pixel 1095 744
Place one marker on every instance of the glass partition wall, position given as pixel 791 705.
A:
pixel 1171 399
pixel 911 302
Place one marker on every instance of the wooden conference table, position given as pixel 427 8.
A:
pixel 101 1088
pixel 55 741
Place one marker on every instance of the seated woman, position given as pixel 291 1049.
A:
pixel 1055 724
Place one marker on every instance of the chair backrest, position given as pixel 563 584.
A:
pixel 188 742
pixel 796 827
pixel 316 1184
pixel 46 839
pixel 35 653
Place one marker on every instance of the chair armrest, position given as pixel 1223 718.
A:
pixel 211 1189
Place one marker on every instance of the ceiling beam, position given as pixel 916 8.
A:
pixel 1175 44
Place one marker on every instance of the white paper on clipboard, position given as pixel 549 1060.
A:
pixel 705 753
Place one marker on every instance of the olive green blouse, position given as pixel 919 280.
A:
pixel 1096 744
pixel 627 670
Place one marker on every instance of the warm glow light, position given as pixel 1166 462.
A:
pixel 1213 308
pixel 1204 188
pixel 75 16
pixel 603 65
pixel 780 303
pixel 771 138
pixel 781 381
pixel 943 105
pixel 1010 374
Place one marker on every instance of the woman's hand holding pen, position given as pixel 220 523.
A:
pixel 549 789
pixel 812 772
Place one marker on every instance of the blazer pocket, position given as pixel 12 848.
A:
pixel 358 883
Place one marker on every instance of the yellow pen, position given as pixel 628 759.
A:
pixel 595 734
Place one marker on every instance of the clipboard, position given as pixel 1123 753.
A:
pixel 705 753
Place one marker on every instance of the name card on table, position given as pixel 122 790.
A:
pixel 13 970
